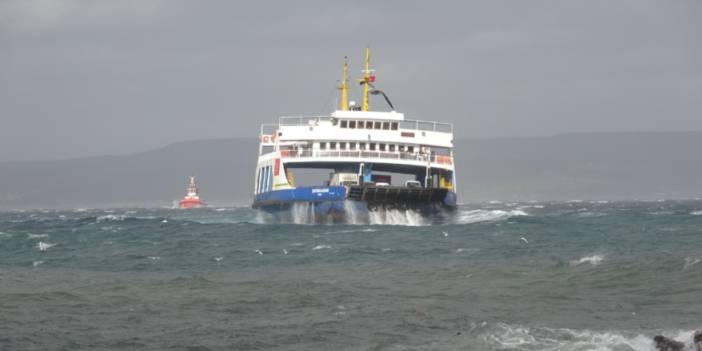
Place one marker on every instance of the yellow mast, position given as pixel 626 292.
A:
pixel 366 80
pixel 344 86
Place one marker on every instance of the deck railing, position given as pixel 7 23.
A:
pixel 440 159
pixel 406 124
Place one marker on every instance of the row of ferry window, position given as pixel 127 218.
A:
pixel 368 125
pixel 264 179
pixel 365 146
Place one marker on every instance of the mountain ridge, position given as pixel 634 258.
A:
pixel 599 166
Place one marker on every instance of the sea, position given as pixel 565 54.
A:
pixel 576 275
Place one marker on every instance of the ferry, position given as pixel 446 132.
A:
pixel 191 198
pixel 369 160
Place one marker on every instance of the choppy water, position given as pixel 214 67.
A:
pixel 530 276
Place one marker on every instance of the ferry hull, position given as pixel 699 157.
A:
pixel 330 204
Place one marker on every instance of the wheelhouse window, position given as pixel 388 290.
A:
pixel 344 124
pixel 392 147
pixel 342 146
pixel 381 147
pixel 378 125
pixel 362 146
pixel 386 125
pixel 372 146
pixel 332 145
pixel 393 126
pixel 410 149
pixel 322 145
pixel 352 124
pixel 352 146
pixel 369 125
pixel 401 148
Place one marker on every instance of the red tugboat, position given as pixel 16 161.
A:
pixel 191 199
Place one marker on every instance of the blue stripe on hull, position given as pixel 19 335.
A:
pixel 321 194
pixel 301 194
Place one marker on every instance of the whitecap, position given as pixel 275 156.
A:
pixel 37 236
pixel 530 206
pixel 153 258
pixel 109 217
pixel 691 261
pixel 504 336
pixel 475 216
pixel 590 214
pixel 37 263
pixel 366 230
pixel 696 213
pixel 42 246
pixel 593 260
pixel 320 247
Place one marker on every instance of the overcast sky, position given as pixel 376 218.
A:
pixel 80 78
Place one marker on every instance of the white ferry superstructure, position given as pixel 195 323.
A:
pixel 375 159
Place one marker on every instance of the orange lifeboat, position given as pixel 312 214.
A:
pixel 191 199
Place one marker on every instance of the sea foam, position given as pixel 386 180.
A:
pixel 691 261
pixel 475 216
pixel 396 217
pixel 42 246
pixel 109 217
pixel 505 336
pixel 593 260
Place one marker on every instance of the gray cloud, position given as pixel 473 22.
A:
pixel 83 77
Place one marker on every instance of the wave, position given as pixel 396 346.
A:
pixel 37 236
pixel 505 336
pixel 366 230
pixel 109 217
pixel 593 260
pixel 589 214
pixel 691 261
pixel 320 247
pixel 42 246
pixel 696 213
pixel 475 216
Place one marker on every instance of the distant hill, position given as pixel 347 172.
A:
pixel 612 166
